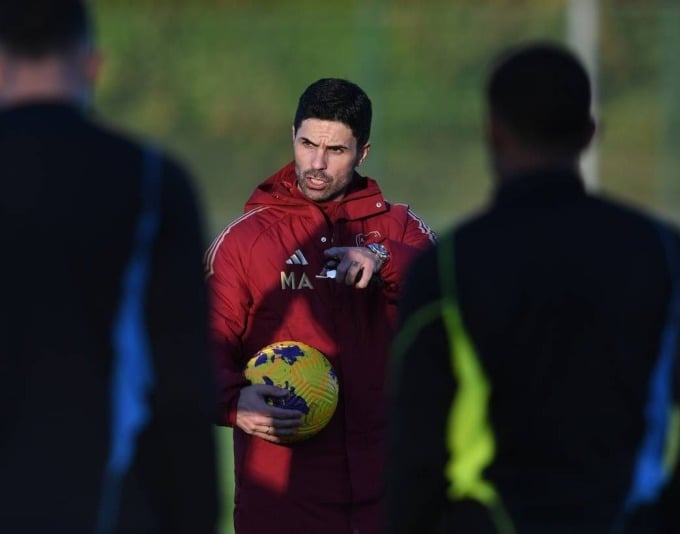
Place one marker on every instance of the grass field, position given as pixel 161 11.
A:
pixel 226 479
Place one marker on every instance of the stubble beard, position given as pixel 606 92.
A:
pixel 313 194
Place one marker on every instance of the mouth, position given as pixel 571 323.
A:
pixel 316 181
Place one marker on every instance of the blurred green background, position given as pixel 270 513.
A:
pixel 217 82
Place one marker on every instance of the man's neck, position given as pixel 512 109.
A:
pixel 517 163
pixel 38 81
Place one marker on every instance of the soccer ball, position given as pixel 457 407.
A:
pixel 307 374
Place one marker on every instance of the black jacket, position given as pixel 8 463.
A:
pixel 563 298
pixel 102 296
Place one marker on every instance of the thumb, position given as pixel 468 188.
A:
pixel 334 252
pixel 271 391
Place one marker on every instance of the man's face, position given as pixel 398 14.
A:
pixel 326 154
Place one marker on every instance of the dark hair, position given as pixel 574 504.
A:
pixel 335 99
pixel 35 28
pixel 542 93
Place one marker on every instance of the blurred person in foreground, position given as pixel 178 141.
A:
pixel 106 393
pixel 535 373
pixel 316 214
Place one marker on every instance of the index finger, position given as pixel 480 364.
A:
pixel 335 252
pixel 284 413
pixel 364 279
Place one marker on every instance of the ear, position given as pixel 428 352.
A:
pixel 589 133
pixel 496 133
pixel 92 63
pixel 363 152
pixel 292 133
pixel 3 70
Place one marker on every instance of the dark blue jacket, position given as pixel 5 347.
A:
pixel 106 395
pixel 536 373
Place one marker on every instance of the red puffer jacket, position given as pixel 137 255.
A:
pixel 262 277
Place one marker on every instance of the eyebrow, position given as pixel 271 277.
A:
pixel 331 147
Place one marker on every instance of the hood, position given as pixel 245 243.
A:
pixel 363 199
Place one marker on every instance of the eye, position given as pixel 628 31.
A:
pixel 337 149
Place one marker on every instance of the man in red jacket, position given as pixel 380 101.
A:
pixel 262 271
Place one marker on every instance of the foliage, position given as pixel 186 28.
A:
pixel 218 81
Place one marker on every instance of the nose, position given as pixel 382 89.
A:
pixel 319 159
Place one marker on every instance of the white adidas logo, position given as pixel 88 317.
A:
pixel 297 258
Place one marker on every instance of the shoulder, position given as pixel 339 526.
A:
pixel 251 223
pixel 255 232
pixel 123 148
pixel 405 216
pixel 124 162
pixel 403 211
pixel 629 220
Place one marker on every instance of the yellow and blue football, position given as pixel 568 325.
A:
pixel 309 377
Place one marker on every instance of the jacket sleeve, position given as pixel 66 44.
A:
pixel 670 515
pixel 229 305
pixel 175 467
pixel 421 392
pixel 671 496
pixel 417 236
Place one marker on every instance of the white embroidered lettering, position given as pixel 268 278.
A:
pixel 305 282
pixel 287 280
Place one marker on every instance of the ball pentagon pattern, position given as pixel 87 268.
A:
pixel 307 374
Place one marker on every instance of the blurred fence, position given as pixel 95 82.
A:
pixel 218 82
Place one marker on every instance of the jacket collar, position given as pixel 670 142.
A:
pixel 43 110
pixel 539 186
pixel 362 200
